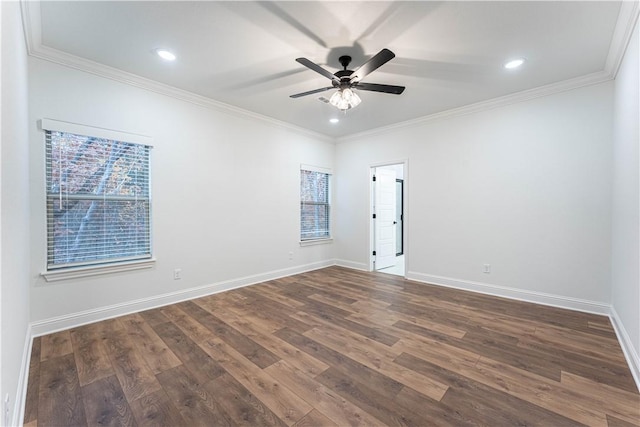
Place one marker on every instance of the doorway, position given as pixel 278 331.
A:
pixel 399 216
pixel 388 194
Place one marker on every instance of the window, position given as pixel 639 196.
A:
pixel 98 199
pixel 314 204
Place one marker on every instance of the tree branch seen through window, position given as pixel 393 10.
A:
pixel 98 200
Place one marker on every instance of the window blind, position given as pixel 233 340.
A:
pixel 314 205
pixel 98 200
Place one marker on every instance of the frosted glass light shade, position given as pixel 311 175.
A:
pixel 345 99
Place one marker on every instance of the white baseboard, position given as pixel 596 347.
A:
pixel 60 323
pixel 513 293
pixel 23 379
pixel 630 353
pixel 352 264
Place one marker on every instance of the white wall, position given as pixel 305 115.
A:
pixel 225 191
pixel 525 188
pixel 625 297
pixel 15 206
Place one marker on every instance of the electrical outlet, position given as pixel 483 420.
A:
pixel 487 269
pixel 290 255
pixel 177 274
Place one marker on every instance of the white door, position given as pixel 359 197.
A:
pixel 385 221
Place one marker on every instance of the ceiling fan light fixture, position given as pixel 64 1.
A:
pixel 345 99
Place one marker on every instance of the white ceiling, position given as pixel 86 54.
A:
pixel 448 54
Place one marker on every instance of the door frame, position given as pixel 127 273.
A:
pixel 401 208
pixel 405 193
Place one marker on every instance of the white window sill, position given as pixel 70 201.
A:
pixel 98 270
pixel 313 242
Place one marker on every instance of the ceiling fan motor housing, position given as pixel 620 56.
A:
pixel 343 75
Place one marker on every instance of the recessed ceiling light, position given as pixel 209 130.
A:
pixel 514 63
pixel 334 120
pixel 165 54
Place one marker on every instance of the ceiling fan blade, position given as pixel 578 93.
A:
pixel 374 87
pixel 318 69
pixel 311 92
pixel 378 60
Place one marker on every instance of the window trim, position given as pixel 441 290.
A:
pixel 73 272
pixel 96 270
pixel 318 240
pixel 68 127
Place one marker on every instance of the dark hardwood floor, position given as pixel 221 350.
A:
pixel 336 347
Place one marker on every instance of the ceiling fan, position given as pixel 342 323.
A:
pixel 346 80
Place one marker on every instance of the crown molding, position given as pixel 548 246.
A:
pixel 626 22
pixel 101 70
pixel 35 48
pixel 31 23
pixel 627 19
pixel 503 101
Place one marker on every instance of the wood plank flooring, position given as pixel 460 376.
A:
pixel 335 347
